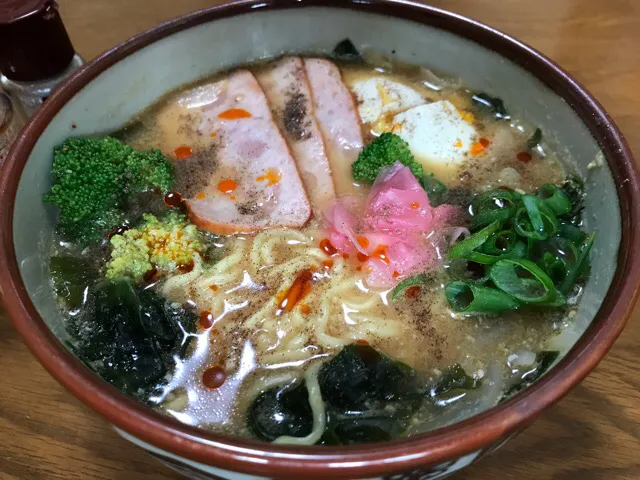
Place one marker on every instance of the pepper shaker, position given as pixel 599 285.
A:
pixel 10 124
pixel 36 53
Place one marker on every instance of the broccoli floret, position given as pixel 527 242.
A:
pixel 94 177
pixel 385 150
pixel 164 244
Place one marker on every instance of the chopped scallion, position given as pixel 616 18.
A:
pixel 554 198
pixel 400 289
pixel 534 220
pixel 580 265
pixel 462 248
pixel 469 297
pixel 525 281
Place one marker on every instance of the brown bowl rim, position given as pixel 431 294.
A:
pixel 257 458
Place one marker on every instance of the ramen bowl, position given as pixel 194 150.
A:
pixel 108 92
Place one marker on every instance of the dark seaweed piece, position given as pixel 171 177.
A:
pixel 491 104
pixel 369 396
pixel 534 140
pixel 360 377
pixel 130 336
pixel 544 360
pixel 573 186
pixel 453 378
pixel 168 323
pixel 384 420
pixel 353 427
pixel 72 278
pixel 452 382
pixel 346 50
pixel 436 190
pixel 281 411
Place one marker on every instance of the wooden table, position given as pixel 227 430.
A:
pixel 593 434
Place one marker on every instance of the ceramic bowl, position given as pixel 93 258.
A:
pixel 109 91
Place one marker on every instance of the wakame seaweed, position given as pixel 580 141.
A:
pixel 534 140
pixel 360 377
pixel 72 277
pixel 129 336
pixel 346 50
pixel 281 411
pixel 573 187
pixel 452 379
pixel 368 397
pixel 543 362
pixel 494 105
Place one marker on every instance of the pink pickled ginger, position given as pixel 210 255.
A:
pixel 397 230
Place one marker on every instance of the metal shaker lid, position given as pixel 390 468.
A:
pixel 34 45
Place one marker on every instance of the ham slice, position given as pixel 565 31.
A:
pixel 287 89
pixel 338 119
pixel 251 180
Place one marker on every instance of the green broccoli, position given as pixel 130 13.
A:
pixel 385 150
pixel 164 244
pixel 94 177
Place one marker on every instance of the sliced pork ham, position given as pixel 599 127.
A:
pixel 287 89
pixel 338 119
pixel 250 179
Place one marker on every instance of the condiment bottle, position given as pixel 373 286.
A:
pixel 36 53
pixel 10 124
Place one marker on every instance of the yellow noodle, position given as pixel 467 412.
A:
pixel 259 269
pixel 317 408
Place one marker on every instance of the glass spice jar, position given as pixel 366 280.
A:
pixel 10 124
pixel 36 54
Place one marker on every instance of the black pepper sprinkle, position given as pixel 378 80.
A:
pixel 294 116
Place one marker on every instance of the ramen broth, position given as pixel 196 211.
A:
pixel 275 304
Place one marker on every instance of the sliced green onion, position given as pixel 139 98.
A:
pixel 572 233
pixel 461 269
pixel 462 248
pixel 400 289
pixel 556 256
pixel 554 267
pixel 524 280
pixel 494 205
pixel 469 297
pixel 573 187
pixel 559 300
pixel 535 220
pixel 519 250
pixel 500 243
pixel 555 198
pixel 581 264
